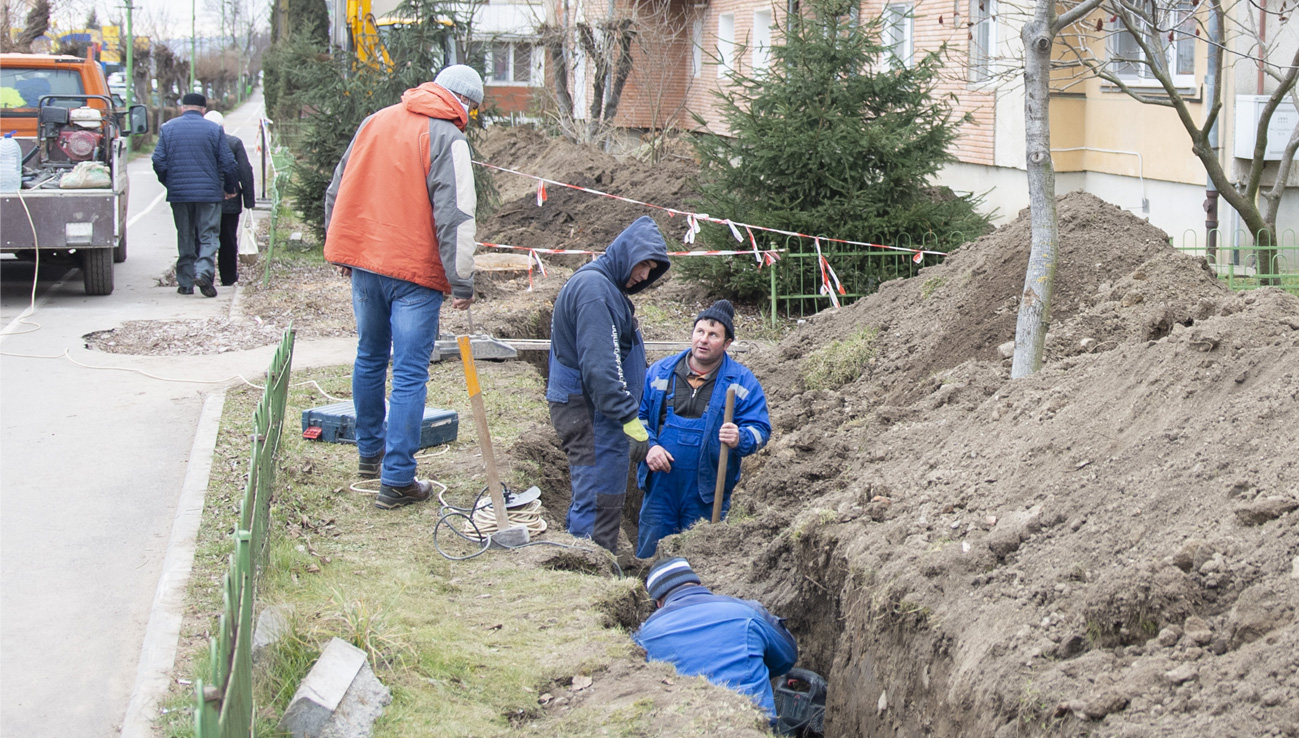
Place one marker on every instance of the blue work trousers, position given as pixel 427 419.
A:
pixel 672 502
pixel 198 236
pixel 397 319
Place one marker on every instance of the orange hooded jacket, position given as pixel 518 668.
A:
pixel 402 200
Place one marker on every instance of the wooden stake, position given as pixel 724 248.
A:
pixel 484 438
pixel 722 458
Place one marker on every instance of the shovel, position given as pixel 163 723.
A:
pixel 723 457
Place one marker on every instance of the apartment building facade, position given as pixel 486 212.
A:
pixel 1135 155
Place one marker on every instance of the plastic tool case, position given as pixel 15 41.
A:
pixel 337 424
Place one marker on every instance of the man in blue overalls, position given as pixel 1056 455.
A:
pixel 730 642
pixel 684 406
pixel 597 371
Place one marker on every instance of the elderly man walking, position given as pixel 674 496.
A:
pixel 194 163
pixel 399 219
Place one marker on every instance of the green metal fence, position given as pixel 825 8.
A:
pixel 224 701
pixel 282 170
pixel 1244 260
pixel 796 279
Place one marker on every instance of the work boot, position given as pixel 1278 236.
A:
pixel 204 284
pixel 393 497
pixel 370 466
pixel 184 290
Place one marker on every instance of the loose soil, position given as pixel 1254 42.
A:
pixel 1108 547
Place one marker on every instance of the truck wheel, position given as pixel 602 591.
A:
pixel 119 253
pixel 97 271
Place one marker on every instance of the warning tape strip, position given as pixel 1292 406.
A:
pixel 693 219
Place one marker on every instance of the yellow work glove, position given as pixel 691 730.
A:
pixel 639 439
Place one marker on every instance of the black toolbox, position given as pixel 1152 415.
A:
pixel 337 424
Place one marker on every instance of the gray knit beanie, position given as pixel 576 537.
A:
pixel 462 79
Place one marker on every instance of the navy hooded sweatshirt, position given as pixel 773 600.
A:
pixel 593 328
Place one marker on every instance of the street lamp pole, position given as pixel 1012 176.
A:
pixel 130 57
pixel 193 41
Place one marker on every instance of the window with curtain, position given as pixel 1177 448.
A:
pixel 761 50
pixel 696 48
pixel 983 38
pixel 1173 33
pixel 897 35
pixel 725 43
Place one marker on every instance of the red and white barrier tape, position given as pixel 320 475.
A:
pixel 693 219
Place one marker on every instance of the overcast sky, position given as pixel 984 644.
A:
pixel 170 18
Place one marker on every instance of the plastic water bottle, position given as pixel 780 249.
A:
pixel 11 164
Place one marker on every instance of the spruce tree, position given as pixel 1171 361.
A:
pixel 828 142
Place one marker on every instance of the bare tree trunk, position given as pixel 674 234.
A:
pixel 601 60
pixel 6 28
pixel 1039 281
pixel 38 22
pixel 553 39
pixel 622 69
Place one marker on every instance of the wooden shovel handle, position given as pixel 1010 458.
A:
pixel 723 457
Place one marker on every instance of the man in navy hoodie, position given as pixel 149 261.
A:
pixel 597 372
pixel 196 166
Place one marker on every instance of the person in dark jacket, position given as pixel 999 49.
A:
pixel 597 372
pixel 683 408
pixel 730 642
pixel 234 203
pixel 194 163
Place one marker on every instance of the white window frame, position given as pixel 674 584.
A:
pixel 725 44
pixel 983 39
pixel 1138 73
pixel 697 48
pixel 760 51
pixel 898 35
pixel 536 70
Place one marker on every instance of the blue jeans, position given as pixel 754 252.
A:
pixel 398 319
pixel 198 236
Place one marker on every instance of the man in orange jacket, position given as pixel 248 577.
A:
pixel 399 219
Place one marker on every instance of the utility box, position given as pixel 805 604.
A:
pixel 337 424
pixel 1248 110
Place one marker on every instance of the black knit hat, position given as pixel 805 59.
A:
pixel 668 575
pixel 723 312
pixel 193 98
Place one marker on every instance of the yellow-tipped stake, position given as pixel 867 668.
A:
pixel 484 438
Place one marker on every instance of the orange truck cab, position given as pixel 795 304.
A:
pixel 73 197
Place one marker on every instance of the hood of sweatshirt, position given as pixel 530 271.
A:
pixel 639 242
pixel 435 101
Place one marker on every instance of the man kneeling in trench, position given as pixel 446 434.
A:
pixel 730 642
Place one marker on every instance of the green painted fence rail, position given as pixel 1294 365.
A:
pixel 1244 260
pixel 795 280
pixel 224 700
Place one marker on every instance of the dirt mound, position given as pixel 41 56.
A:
pixel 571 219
pixel 1109 540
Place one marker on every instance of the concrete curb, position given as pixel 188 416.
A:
pixel 158 654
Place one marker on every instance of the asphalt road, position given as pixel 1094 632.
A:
pixel 92 464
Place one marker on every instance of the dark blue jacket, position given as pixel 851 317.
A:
pixel 193 161
pixel 593 327
pixel 750 415
pixel 730 642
